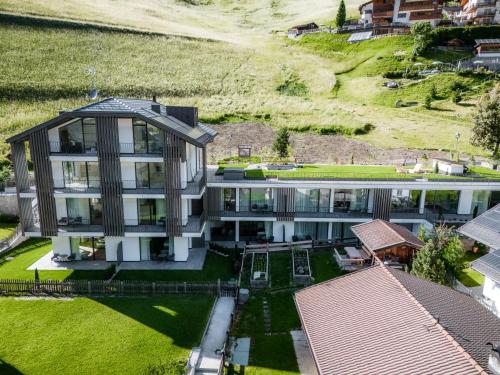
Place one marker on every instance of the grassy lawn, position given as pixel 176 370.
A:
pixel 215 267
pixel 6 229
pixel 100 336
pixel 280 269
pixel 323 266
pixel 269 354
pixel 28 253
pixel 468 276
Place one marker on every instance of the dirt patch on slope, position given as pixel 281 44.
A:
pixel 309 148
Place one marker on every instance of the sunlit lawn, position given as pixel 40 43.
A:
pixel 28 253
pixel 6 229
pixel 468 276
pixel 100 336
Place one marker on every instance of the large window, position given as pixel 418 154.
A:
pixel 151 211
pixel 312 200
pixel 84 211
pixel 257 199
pixel 149 175
pixel 78 137
pixel 147 138
pixel 480 201
pixel 222 230
pixel 405 200
pixel 229 199
pixel 442 201
pixel 155 248
pixel 81 174
pixel 256 230
pixel 310 231
pixel 88 248
pixel 342 232
pixel 350 200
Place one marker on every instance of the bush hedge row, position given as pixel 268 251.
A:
pixel 467 34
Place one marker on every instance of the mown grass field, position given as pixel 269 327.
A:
pixel 248 75
pixel 100 336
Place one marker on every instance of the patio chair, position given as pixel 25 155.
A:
pixel 63 221
pixel 295 238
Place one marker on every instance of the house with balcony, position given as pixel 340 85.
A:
pixel 396 16
pixel 291 205
pixel 116 180
pixel 478 12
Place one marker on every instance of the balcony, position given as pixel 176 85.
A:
pixel 134 226
pixel 264 206
pixel 78 224
pixel 77 186
pixel 417 5
pixel 194 225
pixel 425 16
pixel 138 187
pixel 196 186
pixel 153 149
pixel 246 213
pixel 72 148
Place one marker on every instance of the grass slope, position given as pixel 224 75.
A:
pixel 101 336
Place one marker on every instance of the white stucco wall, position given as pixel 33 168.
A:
pixel 184 174
pixel 128 174
pixel 181 249
pixel 465 202
pixel 61 245
pixel 491 290
pixel 278 231
pixel 131 249
pixel 185 210
pixel 130 211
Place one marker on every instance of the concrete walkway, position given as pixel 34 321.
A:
pixel 195 261
pixel 303 354
pixel 209 360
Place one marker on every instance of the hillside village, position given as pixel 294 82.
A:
pixel 262 187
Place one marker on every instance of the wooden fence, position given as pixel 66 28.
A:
pixel 115 288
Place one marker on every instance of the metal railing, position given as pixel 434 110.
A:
pixel 264 205
pixel 78 185
pixel 145 226
pixel 147 186
pixel 142 148
pixel 73 148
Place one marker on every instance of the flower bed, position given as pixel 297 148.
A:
pixel 301 266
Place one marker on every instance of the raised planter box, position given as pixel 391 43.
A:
pixel 301 266
pixel 259 274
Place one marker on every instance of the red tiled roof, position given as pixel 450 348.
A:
pixel 380 234
pixel 368 323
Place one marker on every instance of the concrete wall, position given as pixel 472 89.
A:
pixel 130 245
pixel 8 204
pixel 61 209
pixel 128 173
pixel 278 231
pixel 491 290
pixel 181 249
pixel 130 211
pixel 57 172
pixel 465 202
pixel 125 133
pixel 61 245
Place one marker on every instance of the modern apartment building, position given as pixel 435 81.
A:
pixel 125 179
pixel 119 179
pixel 478 12
pixel 385 13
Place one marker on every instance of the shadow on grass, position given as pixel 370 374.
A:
pixel 181 318
pixel 7 369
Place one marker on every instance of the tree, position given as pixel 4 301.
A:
pixel 422 37
pixel 281 142
pixel 486 131
pixel 428 102
pixel 433 92
pixel 456 97
pixel 341 14
pixel 37 276
pixel 441 257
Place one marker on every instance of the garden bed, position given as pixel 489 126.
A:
pixel 301 266
pixel 259 274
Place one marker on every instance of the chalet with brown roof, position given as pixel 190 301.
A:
pixel 391 243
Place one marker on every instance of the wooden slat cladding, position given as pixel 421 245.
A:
pixel 108 152
pixel 40 156
pixel 26 213
pixel 172 152
pixel 382 204
pixel 214 195
pixel 204 184
pixel 20 166
pixel 285 205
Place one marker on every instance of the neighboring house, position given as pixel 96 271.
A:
pixel 302 29
pixel 486 229
pixel 381 320
pixel 391 243
pixel 487 48
pixel 478 12
pixel 127 179
pixel 389 15
pixel 119 179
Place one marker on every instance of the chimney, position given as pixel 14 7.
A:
pixel 156 108
pixel 188 115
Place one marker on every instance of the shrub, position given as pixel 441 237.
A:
pixel 433 92
pixel 292 85
pixel 421 32
pixel 109 272
pixel 456 97
pixel 9 219
pixel 428 102
pixel 468 34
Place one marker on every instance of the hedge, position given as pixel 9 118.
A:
pixel 467 34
